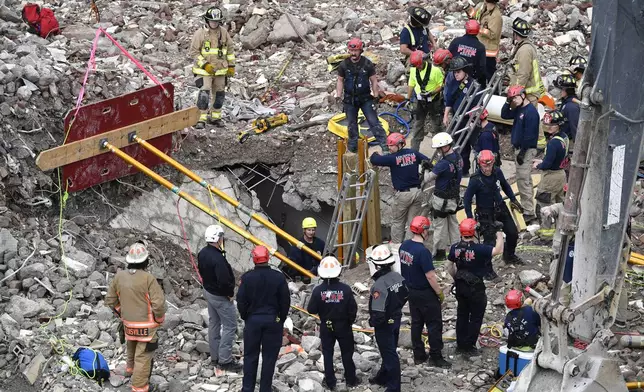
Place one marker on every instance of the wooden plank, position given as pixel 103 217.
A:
pixel 87 148
pixel 350 165
pixel 374 228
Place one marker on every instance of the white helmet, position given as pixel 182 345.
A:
pixel 381 255
pixel 441 139
pixel 329 268
pixel 214 233
pixel 137 254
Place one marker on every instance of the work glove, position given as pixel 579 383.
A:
pixel 516 205
pixel 498 226
pixel 427 165
pixel 209 68
pixel 231 72
pixel 441 296
pixel 520 157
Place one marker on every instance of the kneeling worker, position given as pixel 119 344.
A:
pixel 337 307
pixel 469 266
pixel 522 323
pixel 303 259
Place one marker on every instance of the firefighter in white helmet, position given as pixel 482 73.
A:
pixel 137 297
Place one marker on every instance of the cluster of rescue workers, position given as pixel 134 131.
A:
pixel 438 83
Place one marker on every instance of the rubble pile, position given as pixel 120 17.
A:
pixel 52 293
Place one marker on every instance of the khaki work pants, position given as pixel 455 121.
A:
pixel 139 363
pixel 524 180
pixel 406 206
pixel 445 229
pixel 550 189
pixel 216 85
pixel 425 112
pixel 534 100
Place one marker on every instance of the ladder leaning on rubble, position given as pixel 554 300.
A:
pixel 355 187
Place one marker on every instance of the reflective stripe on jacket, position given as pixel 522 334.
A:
pixel 491 27
pixel 212 46
pixel 525 67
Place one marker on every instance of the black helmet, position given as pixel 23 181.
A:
pixel 554 117
pixel 420 15
pixel 459 62
pixel 213 14
pixel 577 63
pixel 565 81
pixel 521 27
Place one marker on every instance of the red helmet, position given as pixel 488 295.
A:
pixel 355 43
pixel 395 139
pixel 484 114
pixel 416 58
pixel 467 227
pixel 260 254
pixel 419 224
pixel 486 157
pixel 513 299
pixel 513 91
pixel 442 55
pixel 472 27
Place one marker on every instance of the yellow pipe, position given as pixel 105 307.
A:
pixel 635 261
pixel 299 244
pixel 635 385
pixel 202 207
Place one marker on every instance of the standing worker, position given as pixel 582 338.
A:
pixel 136 296
pixel 303 259
pixel 569 106
pixel 488 138
pixel 470 48
pixel 357 82
pixel 447 173
pixel 406 180
pixel 553 178
pixel 334 302
pixel 524 136
pixel 416 35
pixel 388 296
pixel 263 301
pixel 219 289
pixel 490 207
pixel 213 51
pixel 426 83
pixel 469 266
pixel 425 295
pixel 489 16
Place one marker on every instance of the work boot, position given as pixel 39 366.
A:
pixel 232 366
pixel 530 219
pixel 439 362
pixel 374 380
pixel 440 255
pixel 420 360
pixel 492 277
pixel 468 351
pixel 200 125
pixel 355 383
pixel 514 259
pixel 327 386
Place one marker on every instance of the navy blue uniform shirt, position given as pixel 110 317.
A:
pixel 389 294
pixel 457 91
pixel 415 262
pixel 487 190
pixel 446 169
pixel 488 139
pixel 333 300
pixel 555 153
pixel 216 272
pixel 263 291
pixel 421 38
pixel 404 167
pixel 470 48
pixel 304 259
pixel 524 327
pixel 471 256
pixel 570 110
pixel 525 130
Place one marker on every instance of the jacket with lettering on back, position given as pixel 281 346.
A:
pixel 138 298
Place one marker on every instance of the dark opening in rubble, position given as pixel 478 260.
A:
pixel 269 192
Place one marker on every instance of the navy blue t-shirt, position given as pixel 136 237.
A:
pixel 487 190
pixel 470 48
pixel 525 129
pixel 471 257
pixel 555 153
pixel 457 91
pixel 524 327
pixel 415 262
pixel 570 110
pixel 421 38
pixel 451 165
pixel 488 139
pixel 403 165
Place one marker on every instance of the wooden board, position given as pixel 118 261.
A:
pixel 374 228
pixel 87 148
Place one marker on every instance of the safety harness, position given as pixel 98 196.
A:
pixel 359 82
pixel 453 189
pixel 463 272
pixel 426 96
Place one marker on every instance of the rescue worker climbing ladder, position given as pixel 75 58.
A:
pixel 212 49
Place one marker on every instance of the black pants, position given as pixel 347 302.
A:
pixel 387 339
pixel 340 331
pixel 490 68
pixel 263 333
pixel 425 309
pixel 469 312
pixel 487 217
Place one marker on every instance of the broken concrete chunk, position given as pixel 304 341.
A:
pixel 528 277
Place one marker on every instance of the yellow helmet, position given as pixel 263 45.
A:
pixel 309 223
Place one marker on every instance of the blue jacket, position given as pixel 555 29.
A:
pixel 304 259
pixel 571 111
pixel 263 291
pixel 470 48
pixel 488 139
pixel 525 130
pixel 404 167
pixel 457 91
pixel 487 192
pixel 556 152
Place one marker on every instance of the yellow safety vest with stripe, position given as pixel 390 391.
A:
pixel 562 140
pixel 221 51
pixel 413 38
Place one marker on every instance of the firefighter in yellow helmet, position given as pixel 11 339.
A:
pixel 303 259
pixel 136 296
pixel 212 49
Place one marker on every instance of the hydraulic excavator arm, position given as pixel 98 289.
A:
pixel 596 210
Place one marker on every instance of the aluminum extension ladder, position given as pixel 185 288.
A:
pixel 362 184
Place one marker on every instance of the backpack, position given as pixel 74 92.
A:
pixel 42 21
pixel 92 364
